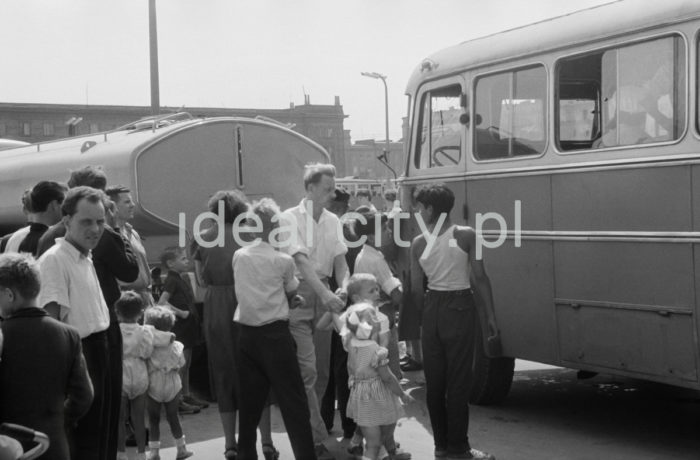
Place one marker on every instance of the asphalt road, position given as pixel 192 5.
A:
pixel 549 414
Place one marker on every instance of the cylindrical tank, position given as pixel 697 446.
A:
pixel 171 168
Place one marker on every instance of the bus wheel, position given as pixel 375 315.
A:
pixel 492 377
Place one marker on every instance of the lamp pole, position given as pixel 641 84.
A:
pixel 384 157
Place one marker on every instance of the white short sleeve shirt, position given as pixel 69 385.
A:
pixel 321 241
pixel 68 278
pixel 371 260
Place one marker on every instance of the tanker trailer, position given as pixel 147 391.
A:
pixel 172 165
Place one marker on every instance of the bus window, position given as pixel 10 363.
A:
pixel 510 113
pixel 439 139
pixel 629 95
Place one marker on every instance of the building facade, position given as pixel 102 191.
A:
pixel 36 123
pixel 362 162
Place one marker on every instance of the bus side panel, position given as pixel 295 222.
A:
pixel 521 277
pixel 651 199
pixel 521 280
pixel 628 306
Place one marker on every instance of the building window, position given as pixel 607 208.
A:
pixel 49 129
pixel 94 128
pixel 511 113
pixel 26 129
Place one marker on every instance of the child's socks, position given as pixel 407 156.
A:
pixel 182 451
pixel 153 448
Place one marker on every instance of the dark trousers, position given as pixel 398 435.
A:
pixel 448 329
pixel 114 390
pixel 90 435
pixel 268 360
pixel 337 389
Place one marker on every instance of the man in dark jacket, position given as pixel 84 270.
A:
pixel 44 383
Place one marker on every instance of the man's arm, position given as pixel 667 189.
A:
pixel 115 253
pixel 466 239
pixel 417 274
pixel 328 299
pixel 342 272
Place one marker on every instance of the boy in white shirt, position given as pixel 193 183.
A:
pixel 265 288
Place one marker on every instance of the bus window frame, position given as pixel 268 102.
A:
pixel 618 45
pixel 416 126
pixel 547 103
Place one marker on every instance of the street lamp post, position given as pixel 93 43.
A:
pixel 384 158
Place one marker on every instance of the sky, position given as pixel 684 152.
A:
pixel 243 54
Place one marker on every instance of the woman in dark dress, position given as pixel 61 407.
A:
pixel 215 273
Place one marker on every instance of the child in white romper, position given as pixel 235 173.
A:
pixel 165 384
pixel 375 393
pixel 138 346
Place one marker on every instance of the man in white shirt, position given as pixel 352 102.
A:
pixel 71 293
pixel 317 248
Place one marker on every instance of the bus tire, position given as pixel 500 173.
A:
pixel 492 377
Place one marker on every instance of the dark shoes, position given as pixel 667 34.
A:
pixel 185 408
pixel 409 364
pixel 322 453
pixel 192 401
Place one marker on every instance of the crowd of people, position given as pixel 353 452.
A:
pixel 298 318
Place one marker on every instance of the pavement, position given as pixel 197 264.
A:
pixel 549 414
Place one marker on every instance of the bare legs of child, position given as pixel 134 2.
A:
pixel 374 438
pixel 173 419
pixel 137 408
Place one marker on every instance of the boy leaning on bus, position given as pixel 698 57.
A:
pixel 449 318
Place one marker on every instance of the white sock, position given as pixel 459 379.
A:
pixel 154 445
pixel 180 442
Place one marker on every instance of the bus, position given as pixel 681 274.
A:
pixel 582 133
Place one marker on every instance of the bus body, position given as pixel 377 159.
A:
pixel 580 136
pixel 172 165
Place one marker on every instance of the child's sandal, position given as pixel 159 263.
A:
pixel 231 453
pixel 270 452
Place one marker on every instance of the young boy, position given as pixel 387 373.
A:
pixel 177 294
pixel 265 287
pixel 371 260
pixel 44 384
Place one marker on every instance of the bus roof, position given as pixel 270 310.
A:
pixel 587 25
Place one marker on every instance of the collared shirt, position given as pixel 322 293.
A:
pixel 321 242
pixel 68 278
pixel 371 260
pixel 16 239
pixel 263 277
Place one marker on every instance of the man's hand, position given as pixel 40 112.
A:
pixel 342 294
pixel 297 302
pixel 332 302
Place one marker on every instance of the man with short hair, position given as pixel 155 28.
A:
pixel 317 250
pixel 11 241
pixel 71 293
pixel 46 198
pixel 121 196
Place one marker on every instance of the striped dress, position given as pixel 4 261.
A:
pixel 371 402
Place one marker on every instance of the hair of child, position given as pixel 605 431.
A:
pixel 129 306
pixel 357 281
pixel 266 209
pixel 20 273
pixel 170 253
pixel 160 317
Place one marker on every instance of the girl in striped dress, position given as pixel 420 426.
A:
pixel 375 393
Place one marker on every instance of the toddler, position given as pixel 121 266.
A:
pixel 138 344
pixel 374 390
pixel 164 383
